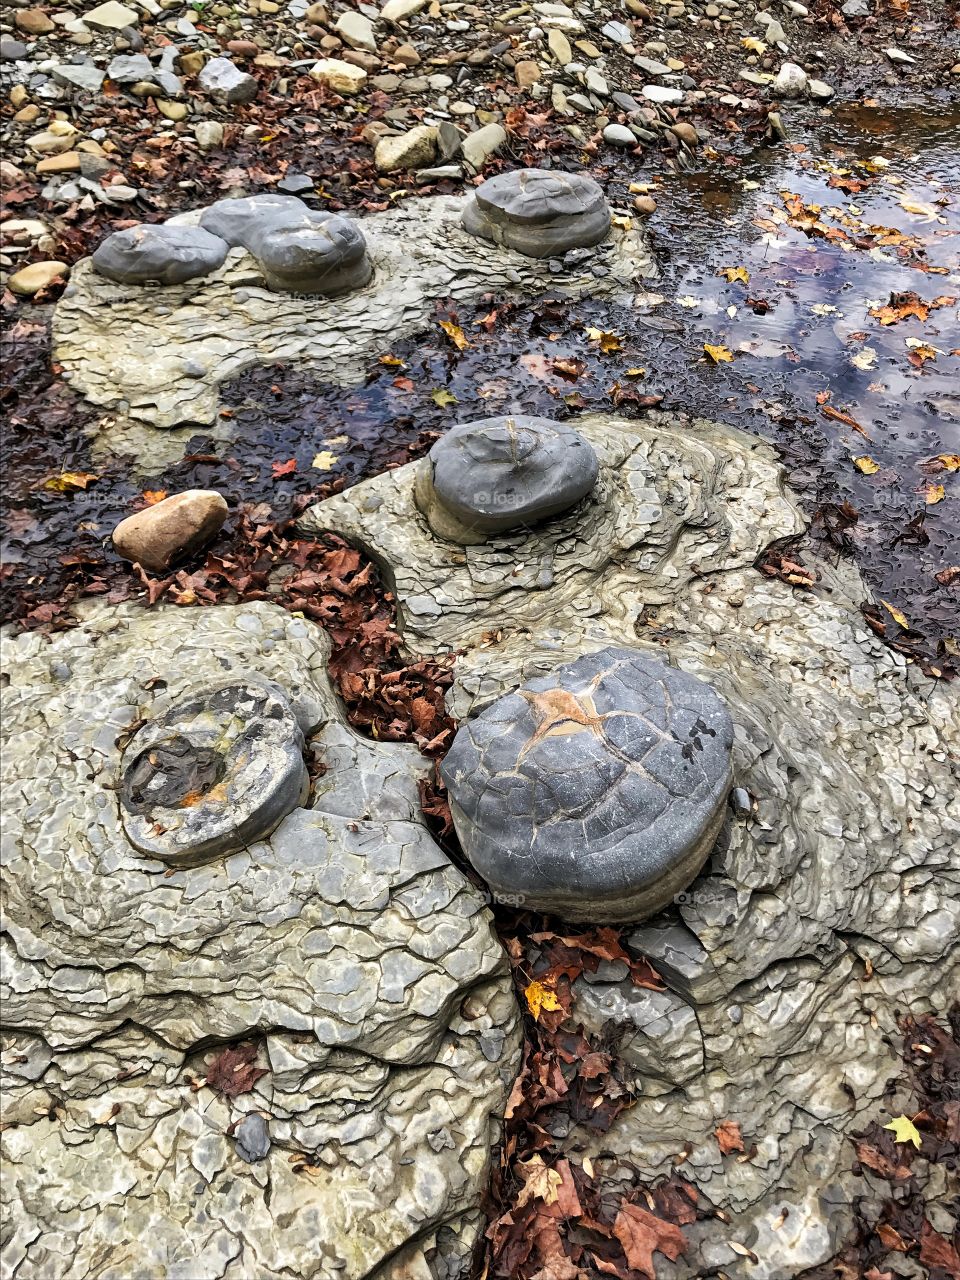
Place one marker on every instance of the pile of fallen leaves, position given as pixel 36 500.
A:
pixel 554 1216
pixel 903 1153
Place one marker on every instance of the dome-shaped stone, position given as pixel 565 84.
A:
pixel 165 252
pixel 217 771
pixel 538 212
pixel 299 249
pixel 596 792
pixel 496 474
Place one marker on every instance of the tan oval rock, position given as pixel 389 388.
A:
pixel 411 150
pixel 338 75
pixel 30 280
pixel 171 530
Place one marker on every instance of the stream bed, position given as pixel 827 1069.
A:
pixel 809 295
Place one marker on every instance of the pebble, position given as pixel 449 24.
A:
pixel 67 162
pixel 209 134
pixel 559 46
pixel 855 9
pixel 479 146
pixel 252 1138
pixel 356 30
pixel 897 55
pixel 526 74
pixel 741 802
pixel 85 77
pixel 595 82
pixel 172 110
pixel 397 10
pixel 618 32
pixel 662 93
pixel 819 89
pixel 414 149
pixel 30 280
pixel 341 77
pixel 111 16
pixel 13 51
pixel 645 204
pixel 226 83
pixel 790 81
pixel 33 21
pixel 618 135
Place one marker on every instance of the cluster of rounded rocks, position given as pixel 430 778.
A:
pixel 534 212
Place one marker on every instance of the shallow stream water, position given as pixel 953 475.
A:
pixel 812 235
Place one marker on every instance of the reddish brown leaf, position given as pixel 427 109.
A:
pixel 728 1136
pixel 232 1072
pixel 642 1235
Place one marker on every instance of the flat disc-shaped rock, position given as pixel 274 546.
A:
pixel 216 771
pixel 496 474
pixel 168 253
pixel 596 792
pixel 242 222
pixel 538 212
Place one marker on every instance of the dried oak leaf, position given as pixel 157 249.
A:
pixel 642 1234
pixel 937 1251
pixel 232 1072
pixel 728 1136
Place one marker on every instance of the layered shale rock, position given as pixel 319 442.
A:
pixel 341 944
pixel 538 212
pixel 831 902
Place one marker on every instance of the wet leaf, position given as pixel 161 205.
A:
pixel 442 397
pixel 607 341
pixel 69 481
pixel 152 496
pixel 951 461
pixel 392 362
pixel 733 274
pixel 455 334
pixel 902 1127
pixel 901 619
pixel 719 355
pixel 866 464
pixel 283 468
pixel 324 460
pixel 539 997
pixel 934 493
pixel 937 1251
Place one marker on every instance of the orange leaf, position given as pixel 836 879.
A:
pixel 642 1234
pixel 728 1136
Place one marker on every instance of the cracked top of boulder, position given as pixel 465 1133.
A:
pixel 496 474
pixel 217 770
pixel 538 212
pixel 299 249
pixel 165 252
pixel 597 791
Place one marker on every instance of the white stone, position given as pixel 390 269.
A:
pixel 356 30
pixel 662 93
pixel 340 76
pixel 397 10
pixel 478 147
pixel 790 82
pixel 414 149
pixel 111 16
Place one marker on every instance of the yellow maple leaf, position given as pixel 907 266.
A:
pixel 324 460
pixel 900 618
pixel 934 493
pixel 540 1183
pixel 636 373
pixel 951 461
pixel 866 464
pixel 540 997
pixel 455 334
pixel 718 354
pixel 753 45
pixel 904 1130
pixel 442 398
pixel 608 342
pixel 69 481
pixel 152 496
pixel 733 274
pixel 392 362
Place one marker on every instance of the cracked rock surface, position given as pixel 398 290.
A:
pixel 345 945
pixel 158 356
pixel 848 853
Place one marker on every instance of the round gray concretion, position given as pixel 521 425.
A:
pixel 216 771
pixel 299 249
pixel 497 474
pixel 538 213
pixel 596 792
pixel 170 254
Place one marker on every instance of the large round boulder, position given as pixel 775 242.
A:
pixel 538 213
pixel 165 252
pixel 596 792
pixel 216 771
pixel 486 477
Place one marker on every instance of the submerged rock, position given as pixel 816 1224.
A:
pixel 537 212
pixel 486 477
pixel 596 792
pixel 163 252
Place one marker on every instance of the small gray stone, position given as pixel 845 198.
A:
pixel 740 802
pixel 650 66
pixel 12 50
pixel 618 135
pixel 820 90
pixel 129 68
pixel 538 212
pixel 226 83
pixel 295 184
pixel 596 792
pixel 209 134
pixel 855 9
pixel 618 32
pixel 164 252
pixel 216 771
pixel 252 1138
pixel 480 145
pixel 496 474
pixel 85 76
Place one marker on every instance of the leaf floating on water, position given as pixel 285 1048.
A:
pixel 455 334
pixel 392 362
pixel 902 1127
pixel 442 397
pixel 152 496
pixel 69 481
pixel 934 493
pixel 866 464
pixel 539 997
pixel 718 355
pixel 865 359
pixel 904 305
pixel 950 461
pixel 919 209
pixel 900 618
pixel 324 460
pixel 608 342
pixel 733 274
